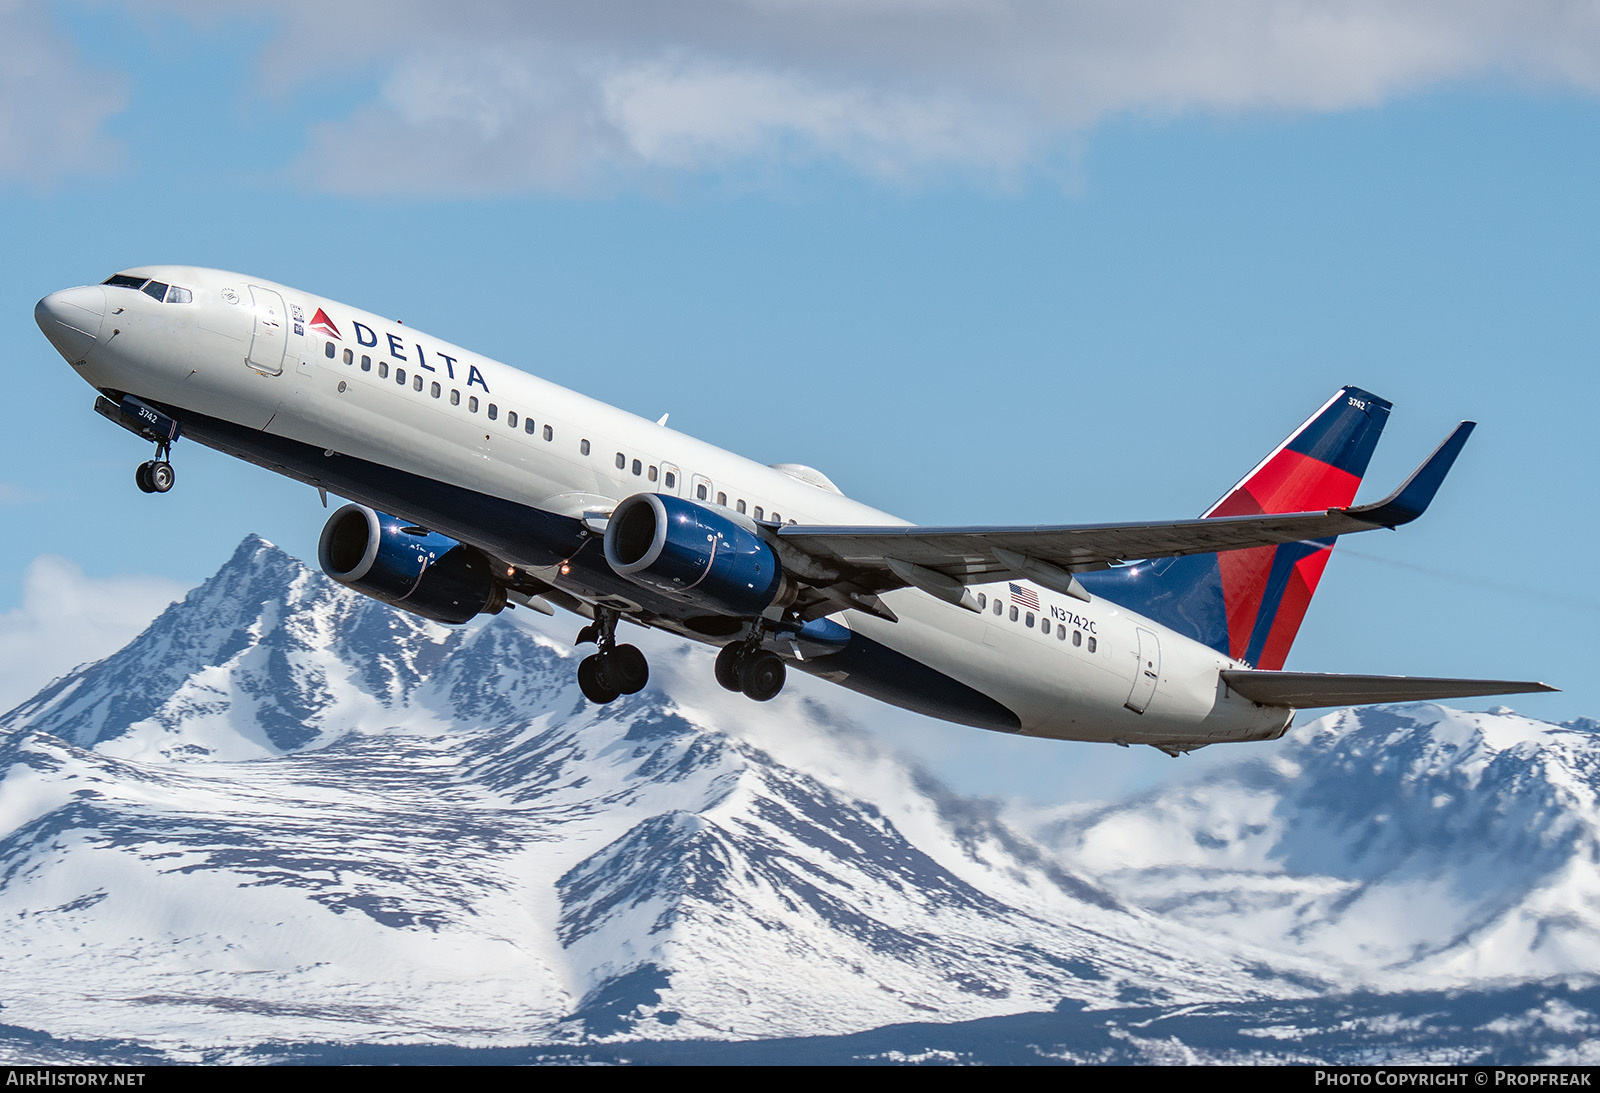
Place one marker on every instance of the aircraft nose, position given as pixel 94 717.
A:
pixel 71 320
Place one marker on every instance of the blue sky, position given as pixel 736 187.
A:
pixel 996 262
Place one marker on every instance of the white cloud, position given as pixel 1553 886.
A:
pixel 52 105
pixel 66 619
pixel 691 116
pixel 13 494
pixel 486 97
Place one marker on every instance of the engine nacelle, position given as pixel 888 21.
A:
pixel 421 571
pixel 695 554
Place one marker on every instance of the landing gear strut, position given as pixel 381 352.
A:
pixel 156 475
pixel 616 669
pixel 745 666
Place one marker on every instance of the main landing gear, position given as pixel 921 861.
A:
pixel 745 666
pixel 156 475
pixel 616 669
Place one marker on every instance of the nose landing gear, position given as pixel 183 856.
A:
pixel 616 669
pixel 145 421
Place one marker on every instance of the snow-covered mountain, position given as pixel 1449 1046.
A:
pixel 1408 846
pixel 289 814
pixel 286 811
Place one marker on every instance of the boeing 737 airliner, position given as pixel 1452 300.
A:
pixel 475 484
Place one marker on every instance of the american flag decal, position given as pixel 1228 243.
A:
pixel 1027 597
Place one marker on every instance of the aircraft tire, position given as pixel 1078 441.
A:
pixel 761 677
pixel 592 682
pixel 141 476
pixel 727 669
pixel 628 669
pixel 161 475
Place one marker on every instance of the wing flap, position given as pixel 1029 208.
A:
pixel 1309 690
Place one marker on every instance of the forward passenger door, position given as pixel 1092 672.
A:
pixel 270 337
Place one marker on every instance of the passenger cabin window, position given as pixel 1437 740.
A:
pixel 740 505
pixel 583 446
pixel 700 492
pixel 652 475
pixel 416 382
pixel 1028 620
pixel 638 467
pixel 455 397
pixel 776 519
pixel 722 499
pixel 672 480
pixel 366 363
pixel 1077 637
pixel 494 411
pixel 983 601
pixel 1013 612
pixel 549 433
pixel 998 607
pixel 758 512
pixel 328 350
pixel 400 376
pixel 383 370
pixel 622 461
pixel 435 389
pixel 528 426
pixel 349 357
pixel 472 404
pixel 511 419
pixel 1092 644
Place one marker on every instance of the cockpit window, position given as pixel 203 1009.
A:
pixel 157 289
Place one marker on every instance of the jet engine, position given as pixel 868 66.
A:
pixel 695 554
pixel 421 571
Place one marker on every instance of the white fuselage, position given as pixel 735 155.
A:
pixel 450 419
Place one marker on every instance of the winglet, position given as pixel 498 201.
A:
pixel 1414 496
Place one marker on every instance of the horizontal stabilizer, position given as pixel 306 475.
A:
pixel 1309 690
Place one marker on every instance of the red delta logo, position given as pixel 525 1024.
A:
pixel 321 323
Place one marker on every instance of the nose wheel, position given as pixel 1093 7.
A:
pixel 615 670
pixel 156 475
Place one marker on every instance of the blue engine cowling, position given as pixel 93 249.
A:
pixel 694 554
pixel 421 571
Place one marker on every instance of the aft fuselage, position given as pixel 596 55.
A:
pixel 524 469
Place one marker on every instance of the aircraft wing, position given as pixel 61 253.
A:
pixel 1308 690
pixel 941 560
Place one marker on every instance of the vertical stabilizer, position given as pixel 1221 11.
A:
pixel 1249 603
